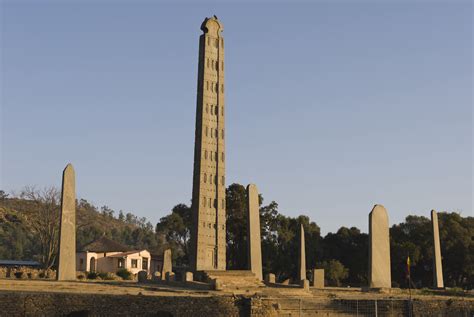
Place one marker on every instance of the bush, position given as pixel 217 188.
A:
pixel 42 275
pixel 92 275
pixel 125 274
pixel 107 276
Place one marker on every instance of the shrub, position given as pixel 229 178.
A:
pixel 125 274
pixel 107 276
pixel 42 275
pixel 92 275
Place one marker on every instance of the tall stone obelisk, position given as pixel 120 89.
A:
pixel 437 265
pixel 253 232
pixel 208 238
pixel 67 227
pixel 302 256
pixel 379 249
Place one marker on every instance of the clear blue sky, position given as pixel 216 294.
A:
pixel 331 107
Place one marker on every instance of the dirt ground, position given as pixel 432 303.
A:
pixel 150 289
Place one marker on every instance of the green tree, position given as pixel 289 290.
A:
pixel 334 272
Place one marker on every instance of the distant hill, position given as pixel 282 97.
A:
pixel 27 224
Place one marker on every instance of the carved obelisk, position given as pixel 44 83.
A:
pixel 67 227
pixel 302 257
pixel 208 240
pixel 379 249
pixel 253 232
pixel 437 265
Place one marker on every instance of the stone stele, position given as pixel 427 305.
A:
pixel 253 232
pixel 67 227
pixel 302 257
pixel 318 278
pixel 437 266
pixel 167 263
pixel 379 249
pixel 208 234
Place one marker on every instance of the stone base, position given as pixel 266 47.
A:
pixel 231 280
pixel 382 290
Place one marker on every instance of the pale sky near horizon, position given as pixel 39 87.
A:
pixel 331 107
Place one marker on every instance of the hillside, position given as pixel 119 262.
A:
pixel 29 228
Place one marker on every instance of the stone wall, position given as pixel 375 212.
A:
pixel 28 273
pixel 75 304
pixel 63 304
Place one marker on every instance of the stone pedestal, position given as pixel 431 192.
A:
pixel 318 278
pixel 379 249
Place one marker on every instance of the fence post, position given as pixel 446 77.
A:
pixel 357 307
pixel 376 313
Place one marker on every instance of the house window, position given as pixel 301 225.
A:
pixel 222 156
pixel 222 134
pixel 120 263
pixel 205 178
pixel 145 264
pixel 207 108
pixel 205 154
pixel 134 263
pixel 223 180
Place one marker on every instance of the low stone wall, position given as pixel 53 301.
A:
pixel 64 304
pixel 24 272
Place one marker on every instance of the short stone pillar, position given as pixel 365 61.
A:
pixel 156 276
pixel 379 249
pixel 188 277
pixel 270 278
pixel 169 276
pixel 304 284
pixel 217 283
pixel 318 278
pixel 142 276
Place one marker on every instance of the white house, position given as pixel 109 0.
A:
pixel 105 255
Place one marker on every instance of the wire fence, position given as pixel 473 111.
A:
pixel 299 307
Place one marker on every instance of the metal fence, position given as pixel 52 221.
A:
pixel 303 307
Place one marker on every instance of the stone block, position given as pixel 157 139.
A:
pixel 188 277
pixel 270 278
pixel 318 278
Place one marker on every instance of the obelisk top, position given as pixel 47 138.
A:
pixel 212 26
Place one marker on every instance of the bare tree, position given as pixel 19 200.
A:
pixel 45 221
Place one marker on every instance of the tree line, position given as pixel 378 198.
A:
pixel 28 230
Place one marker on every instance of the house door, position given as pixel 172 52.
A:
pixel 92 265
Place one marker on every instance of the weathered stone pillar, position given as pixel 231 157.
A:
pixel 318 278
pixel 379 249
pixel 67 227
pixel 302 257
pixel 167 263
pixel 253 232
pixel 437 265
